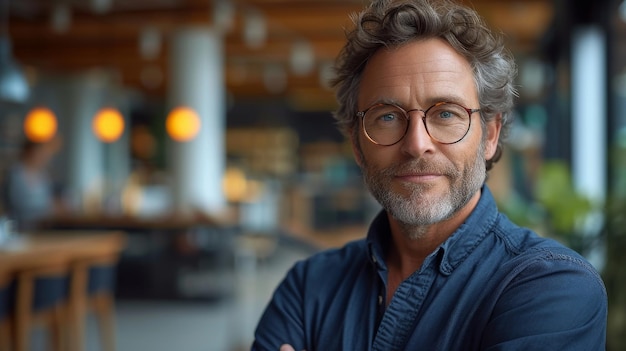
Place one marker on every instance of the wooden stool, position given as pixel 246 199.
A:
pixel 93 288
pixel 42 296
pixel 52 273
pixel 7 298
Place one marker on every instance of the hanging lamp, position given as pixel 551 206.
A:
pixel 13 85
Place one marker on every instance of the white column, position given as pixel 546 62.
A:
pixel 589 111
pixel 589 115
pixel 196 81
pixel 85 164
pixel 117 158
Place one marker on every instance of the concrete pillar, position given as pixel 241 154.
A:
pixel 196 81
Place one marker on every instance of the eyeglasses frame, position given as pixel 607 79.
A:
pixel 469 111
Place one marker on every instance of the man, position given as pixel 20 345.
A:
pixel 425 91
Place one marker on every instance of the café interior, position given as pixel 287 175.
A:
pixel 192 158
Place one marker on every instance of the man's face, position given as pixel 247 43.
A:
pixel 417 180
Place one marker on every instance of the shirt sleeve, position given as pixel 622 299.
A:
pixel 555 302
pixel 282 321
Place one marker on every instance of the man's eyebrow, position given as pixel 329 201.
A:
pixel 457 99
pixel 387 100
pixel 383 100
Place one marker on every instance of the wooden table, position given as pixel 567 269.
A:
pixel 37 249
pixel 161 252
pixel 29 255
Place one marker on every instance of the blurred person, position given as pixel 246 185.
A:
pixel 30 195
pixel 144 176
pixel 425 95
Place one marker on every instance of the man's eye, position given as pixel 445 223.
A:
pixel 387 117
pixel 446 114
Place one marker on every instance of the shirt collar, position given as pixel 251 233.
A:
pixel 378 239
pixel 455 249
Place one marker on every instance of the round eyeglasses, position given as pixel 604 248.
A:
pixel 445 122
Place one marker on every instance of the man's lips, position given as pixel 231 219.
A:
pixel 418 177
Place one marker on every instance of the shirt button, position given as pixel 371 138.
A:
pixel 380 299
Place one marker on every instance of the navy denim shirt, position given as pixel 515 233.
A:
pixel 491 286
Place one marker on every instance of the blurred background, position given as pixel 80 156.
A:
pixel 201 132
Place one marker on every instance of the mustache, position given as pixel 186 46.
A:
pixel 420 166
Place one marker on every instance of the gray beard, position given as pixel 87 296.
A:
pixel 416 212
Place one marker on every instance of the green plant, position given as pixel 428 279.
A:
pixel 564 208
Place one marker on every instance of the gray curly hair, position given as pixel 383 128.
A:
pixel 389 23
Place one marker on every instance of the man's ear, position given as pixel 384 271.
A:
pixel 493 135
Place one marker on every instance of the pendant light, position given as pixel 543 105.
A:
pixel 13 85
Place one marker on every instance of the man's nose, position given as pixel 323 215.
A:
pixel 417 141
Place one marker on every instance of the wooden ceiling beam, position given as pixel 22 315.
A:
pixel 111 40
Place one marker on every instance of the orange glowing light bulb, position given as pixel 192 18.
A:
pixel 183 124
pixel 108 125
pixel 40 125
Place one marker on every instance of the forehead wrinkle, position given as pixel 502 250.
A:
pixel 430 71
pixel 421 90
pixel 405 74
